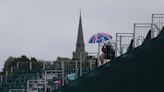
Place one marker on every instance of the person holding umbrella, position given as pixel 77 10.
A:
pixel 100 38
pixel 109 52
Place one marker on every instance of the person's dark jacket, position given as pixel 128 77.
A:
pixel 108 51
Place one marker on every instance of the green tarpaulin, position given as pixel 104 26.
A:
pixel 139 70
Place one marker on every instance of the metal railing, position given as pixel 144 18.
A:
pixel 35 85
pixel 17 90
pixel 140 32
pixel 158 23
pixel 122 42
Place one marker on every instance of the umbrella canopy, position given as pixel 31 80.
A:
pixel 107 35
pixel 71 76
pixel 100 37
pixel 57 82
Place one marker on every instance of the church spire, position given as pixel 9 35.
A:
pixel 80 53
pixel 80 40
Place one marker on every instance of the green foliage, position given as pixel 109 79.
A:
pixel 23 63
pixel 8 63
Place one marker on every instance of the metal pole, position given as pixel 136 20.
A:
pixel 44 65
pixel 30 65
pixel 28 86
pixel 133 40
pixel 62 73
pixel 116 46
pixel 11 69
pixel 45 89
pixel 98 55
pixel 134 43
pixel 80 63
pixel 121 45
pixel 152 29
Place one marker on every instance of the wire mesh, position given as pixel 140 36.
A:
pixel 140 32
pixel 158 23
pixel 122 42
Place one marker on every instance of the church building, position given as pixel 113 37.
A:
pixel 80 46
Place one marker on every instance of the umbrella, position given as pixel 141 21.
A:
pixel 57 83
pixel 71 76
pixel 107 35
pixel 100 38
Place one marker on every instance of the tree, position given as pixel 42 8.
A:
pixel 24 63
pixel 8 63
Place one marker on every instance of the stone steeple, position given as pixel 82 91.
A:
pixel 80 47
pixel 80 40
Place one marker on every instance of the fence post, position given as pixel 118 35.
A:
pixel 28 86
pixel 45 77
pixel 120 45
pixel 44 65
pixel 11 69
pixel 30 65
pixel 62 73
pixel 81 70
pixel 152 28
pixel 134 43
pixel 116 49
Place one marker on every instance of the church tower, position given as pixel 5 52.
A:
pixel 80 46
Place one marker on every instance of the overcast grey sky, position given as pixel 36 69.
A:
pixel 46 29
